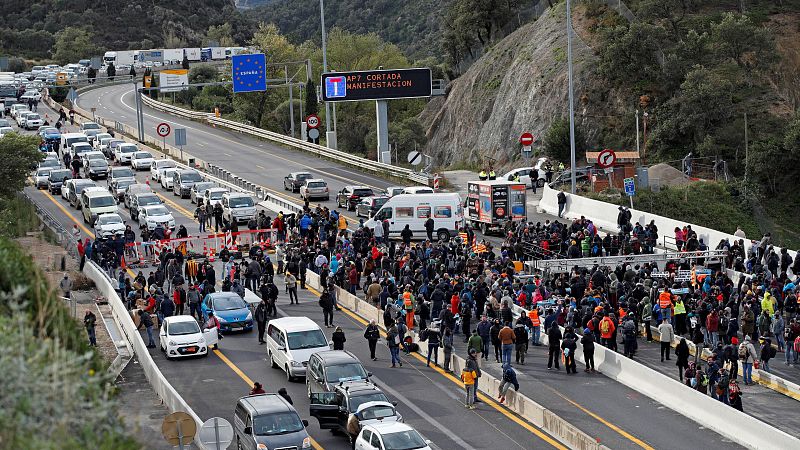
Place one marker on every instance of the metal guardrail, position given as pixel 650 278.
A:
pixel 319 150
pixel 64 237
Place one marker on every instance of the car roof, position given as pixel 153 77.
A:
pixel 181 318
pixel 110 214
pixel 151 193
pixel 223 294
pixel 266 403
pixel 299 173
pixel 237 194
pixel 295 323
pixel 149 207
pixel 356 387
pixel 357 186
pixel 389 427
pixel 89 192
pixel 311 180
pixel 217 189
pixel 336 356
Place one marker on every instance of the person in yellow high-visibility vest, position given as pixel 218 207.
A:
pixel 342 224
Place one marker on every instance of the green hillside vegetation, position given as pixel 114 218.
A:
pixel 55 392
pixel 39 30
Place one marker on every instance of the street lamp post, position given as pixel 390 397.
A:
pixel 571 99
pixel 325 69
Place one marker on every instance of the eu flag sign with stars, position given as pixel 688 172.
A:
pixel 249 73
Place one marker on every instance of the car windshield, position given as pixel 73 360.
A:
pixel 346 372
pixel 228 303
pixel 43 173
pixel 122 184
pixel 142 155
pixel 4 123
pixel 33 117
pixel 109 220
pixel 241 202
pixel 165 164
pixel 149 200
pixel 378 412
pixel 127 148
pixel 279 423
pixel 306 339
pixel 376 396
pixel 191 177
pixel 216 195
pixel 91 126
pixel 315 184
pixel 81 148
pixel 183 328
pixel 157 211
pixel 201 187
pixel 80 187
pixel 98 163
pixel 122 172
pixel 59 175
pixel 363 192
pixel 403 440
pixel 380 201
pixel 303 176
pixel 101 202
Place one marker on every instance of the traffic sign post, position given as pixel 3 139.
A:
pixel 606 160
pixel 436 179
pixel 215 433
pixel 312 121
pixel 163 129
pixel 630 188
pixel 526 139
pixel 180 139
pixel 313 134
pixel 414 158
pixel 178 429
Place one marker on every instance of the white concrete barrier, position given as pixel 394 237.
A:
pixel 604 215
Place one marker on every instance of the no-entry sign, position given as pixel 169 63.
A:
pixel 526 139
pixel 163 129
pixel 606 158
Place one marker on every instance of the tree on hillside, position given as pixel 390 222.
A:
pixel 673 11
pixel 73 44
pixel 556 141
pixel 202 74
pixel 737 38
pixel 221 34
pixel 350 51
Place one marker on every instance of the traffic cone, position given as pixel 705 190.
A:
pixel 122 262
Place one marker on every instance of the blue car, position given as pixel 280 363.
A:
pixel 50 134
pixel 231 311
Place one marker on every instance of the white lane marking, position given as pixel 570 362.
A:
pixel 226 154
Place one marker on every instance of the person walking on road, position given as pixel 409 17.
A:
pixel 372 334
pixel 569 347
pixel 507 337
pixel 66 286
pixel 748 355
pixel 554 346
pixel 666 335
pixel 338 338
pixel 469 376
pixel 89 322
pixel 587 341
pixel 193 298
pixel 261 320
pixel 326 303
pixel 393 342
pixel 447 346
pixel 291 287
pixel 682 353
pixel 434 338
pixel 146 322
pixel 212 323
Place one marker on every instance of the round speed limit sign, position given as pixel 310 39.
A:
pixel 163 129
pixel 312 121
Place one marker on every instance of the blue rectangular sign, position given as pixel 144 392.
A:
pixel 336 87
pixel 249 73
pixel 630 188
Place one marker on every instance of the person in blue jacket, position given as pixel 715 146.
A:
pixel 509 379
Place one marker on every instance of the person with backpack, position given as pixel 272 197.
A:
pixel 722 385
pixel 747 354
pixel 372 334
pixel 587 341
pixel 434 338
pixel 569 347
pixel 629 337
pixel 520 341
pixel 469 375
pixel 607 329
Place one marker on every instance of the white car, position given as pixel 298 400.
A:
pixel 390 435
pixel 391 191
pixel 315 188
pixel 181 336
pixel 22 116
pixel 109 224
pixel 34 95
pixel 418 190
pixel 5 130
pixel 98 140
pixel 540 168
pixel 18 108
pixel 237 206
pixel 79 149
pixel 141 161
pixel 214 195
pixel 124 152
pixel 89 156
pixel 159 166
pixel 33 121
pixel 90 126
pixel 167 179
pixel 154 215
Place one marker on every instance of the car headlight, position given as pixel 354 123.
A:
pixel 201 341
pixel 172 343
pixel 249 316
pixel 221 320
pixel 307 442
pixel 296 364
pixel 262 447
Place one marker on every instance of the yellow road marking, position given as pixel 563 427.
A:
pixel 68 214
pixel 234 368
pixel 178 207
pixel 484 398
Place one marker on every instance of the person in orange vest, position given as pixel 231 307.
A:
pixel 665 303
pixel 536 329
pixel 408 306
pixel 607 328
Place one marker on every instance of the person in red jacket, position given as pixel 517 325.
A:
pixel 454 304
pixel 178 297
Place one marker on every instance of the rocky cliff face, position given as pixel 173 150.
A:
pixel 519 85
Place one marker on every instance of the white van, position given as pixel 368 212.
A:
pixel 414 209
pixel 290 343
pixel 238 206
pixel 96 201
pixel 67 139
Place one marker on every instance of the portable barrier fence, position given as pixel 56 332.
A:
pixel 143 254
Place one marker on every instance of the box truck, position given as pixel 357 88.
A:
pixel 173 55
pixel 192 54
pixel 491 204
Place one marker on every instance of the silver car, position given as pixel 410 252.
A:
pixel 199 189
pixel 41 176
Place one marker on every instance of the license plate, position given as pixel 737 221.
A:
pixel 191 349
pixel 237 329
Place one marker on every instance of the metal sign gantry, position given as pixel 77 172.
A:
pixel 565 265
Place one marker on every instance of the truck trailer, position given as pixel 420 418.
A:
pixel 491 204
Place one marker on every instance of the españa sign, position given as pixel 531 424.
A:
pixel 249 72
pixel 376 85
